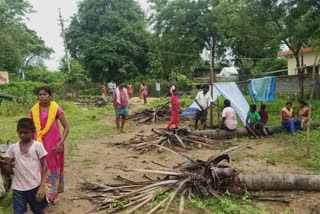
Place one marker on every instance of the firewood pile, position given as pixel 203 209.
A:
pixel 151 115
pixel 181 137
pixel 195 178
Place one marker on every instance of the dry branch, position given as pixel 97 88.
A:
pixel 159 113
pixel 182 137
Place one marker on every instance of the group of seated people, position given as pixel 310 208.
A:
pixel 258 119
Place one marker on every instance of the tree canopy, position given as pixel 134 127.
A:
pixel 18 43
pixel 109 37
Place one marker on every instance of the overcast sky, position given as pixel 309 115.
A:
pixel 45 22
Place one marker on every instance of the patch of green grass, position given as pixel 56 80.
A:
pixel 271 158
pixel 6 204
pixel 253 156
pixel 162 157
pixel 88 163
pixel 298 147
pixel 120 164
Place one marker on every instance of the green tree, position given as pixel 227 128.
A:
pixel 184 29
pixel 17 41
pixel 109 37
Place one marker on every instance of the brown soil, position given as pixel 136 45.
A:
pixel 96 160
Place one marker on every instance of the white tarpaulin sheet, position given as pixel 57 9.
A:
pixel 230 91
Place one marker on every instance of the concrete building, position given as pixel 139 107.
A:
pixel 308 55
pixel 4 77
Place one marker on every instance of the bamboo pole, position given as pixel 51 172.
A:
pixel 211 78
pixel 310 104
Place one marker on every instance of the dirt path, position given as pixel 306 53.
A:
pixel 95 160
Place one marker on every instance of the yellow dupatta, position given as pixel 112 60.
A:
pixel 288 113
pixel 51 117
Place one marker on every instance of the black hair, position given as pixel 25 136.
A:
pixel 302 102
pixel 263 106
pixel 44 88
pixel 205 86
pixel 26 123
pixel 174 90
pixel 288 103
pixel 253 106
pixel 227 103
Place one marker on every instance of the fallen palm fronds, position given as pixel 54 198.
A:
pixel 182 137
pixel 198 178
pixel 159 113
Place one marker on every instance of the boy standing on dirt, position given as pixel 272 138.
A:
pixel 175 109
pixel 29 181
pixel 120 99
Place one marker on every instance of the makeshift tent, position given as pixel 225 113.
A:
pixel 262 89
pixel 230 91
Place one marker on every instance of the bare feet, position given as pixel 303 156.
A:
pixel 121 131
pixel 55 201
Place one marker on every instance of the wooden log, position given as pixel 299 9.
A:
pixel 257 182
pixel 240 132
pixel 8 96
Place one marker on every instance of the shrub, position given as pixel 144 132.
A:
pixel 38 74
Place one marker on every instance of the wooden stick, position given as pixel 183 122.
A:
pixel 158 206
pixel 175 193
pixel 154 172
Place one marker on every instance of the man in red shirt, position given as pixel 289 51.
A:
pixel 175 109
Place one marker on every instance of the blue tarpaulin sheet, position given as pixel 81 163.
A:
pixel 230 91
pixel 262 89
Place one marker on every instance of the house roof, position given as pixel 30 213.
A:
pixel 285 53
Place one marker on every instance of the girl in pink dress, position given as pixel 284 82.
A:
pixel 49 134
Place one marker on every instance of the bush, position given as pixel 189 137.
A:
pixel 38 74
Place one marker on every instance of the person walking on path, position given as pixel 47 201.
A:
pixel 130 90
pixel 111 87
pixel 255 121
pixel 45 115
pixel 29 181
pixel 103 91
pixel 140 90
pixel 288 119
pixel 175 109
pixel 158 88
pixel 120 99
pixel 203 100
pixel 229 119
pixel 144 93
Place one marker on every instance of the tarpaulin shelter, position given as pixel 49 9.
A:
pixel 230 91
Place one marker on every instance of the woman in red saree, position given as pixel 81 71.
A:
pixel 45 115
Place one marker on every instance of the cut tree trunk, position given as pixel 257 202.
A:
pixel 8 96
pixel 257 182
pixel 240 132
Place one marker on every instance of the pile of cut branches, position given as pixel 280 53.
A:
pixel 196 178
pixel 159 113
pixel 181 137
pixel 101 102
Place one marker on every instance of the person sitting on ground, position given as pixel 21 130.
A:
pixel 175 109
pixel 130 90
pixel 303 113
pixel 255 121
pixel 144 92
pixel 288 119
pixel 229 119
pixel 120 104
pixel 264 118
pixel 29 181
pixel 203 100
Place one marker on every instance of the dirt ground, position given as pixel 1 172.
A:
pixel 95 160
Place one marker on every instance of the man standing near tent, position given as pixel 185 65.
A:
pixel 120 100
pixel 203 100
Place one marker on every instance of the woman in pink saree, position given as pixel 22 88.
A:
pixel 45 115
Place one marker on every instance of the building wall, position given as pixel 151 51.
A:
pixel 308 61
pixel 4 77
